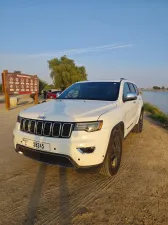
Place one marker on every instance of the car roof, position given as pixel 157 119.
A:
pixel 120 80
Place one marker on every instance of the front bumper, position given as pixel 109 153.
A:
pixel 50 158
pixel 62 150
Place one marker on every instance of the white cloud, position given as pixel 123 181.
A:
pixel 80 51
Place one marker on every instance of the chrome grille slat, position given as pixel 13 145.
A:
pixel 46 128
pixel 22 124
pixel 55 132
pixel 31 126
pixel 39 127
pixel 45 131
pixel 26 125
pixel 68 131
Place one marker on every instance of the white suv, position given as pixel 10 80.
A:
pixel 84 127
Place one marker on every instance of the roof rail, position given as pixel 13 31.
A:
pixel 122 79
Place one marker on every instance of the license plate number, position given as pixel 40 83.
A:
pixel 36 145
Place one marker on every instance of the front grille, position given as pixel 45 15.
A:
pixel 46 128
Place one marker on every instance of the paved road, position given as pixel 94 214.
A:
pixel 34 193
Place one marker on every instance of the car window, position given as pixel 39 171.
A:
pixel 126 90
pixel 132 89
pixel 74 93
pixel 103 91
pixel 137 91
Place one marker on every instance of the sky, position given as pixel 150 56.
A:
pixel 111 38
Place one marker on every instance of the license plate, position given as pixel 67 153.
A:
pixel 36 145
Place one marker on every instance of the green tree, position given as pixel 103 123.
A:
pixel 0 88
pixel 64 72
pixel 42 85
pixel 49 86
pixel 156 88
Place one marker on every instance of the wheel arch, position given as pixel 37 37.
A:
pixel 119 126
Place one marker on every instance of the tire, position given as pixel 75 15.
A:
pixel 113 156
pixel 139 127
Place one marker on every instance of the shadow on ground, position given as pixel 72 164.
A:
pixel 64 198
pixel 35 195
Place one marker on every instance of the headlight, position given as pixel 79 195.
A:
pixel 89 126
pixel 18 119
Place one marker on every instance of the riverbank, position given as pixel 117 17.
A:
pixel 156 114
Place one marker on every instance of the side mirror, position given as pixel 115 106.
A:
pixel 130 97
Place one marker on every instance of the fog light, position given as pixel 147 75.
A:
pixel 20 152
pixel 86 150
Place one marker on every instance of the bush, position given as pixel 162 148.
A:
pixel 32 96
pixel 156 114
pixel 151 108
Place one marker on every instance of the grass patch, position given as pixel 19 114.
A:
pixel 156 114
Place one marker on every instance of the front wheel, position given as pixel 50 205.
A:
pixel 113 156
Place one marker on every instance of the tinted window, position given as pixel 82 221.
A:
pixel 132 89
pixel 126 90
pixel 137 91
pixel 103 91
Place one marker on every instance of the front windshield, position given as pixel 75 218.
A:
pixel 103 91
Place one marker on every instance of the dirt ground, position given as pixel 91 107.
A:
pixel 34 193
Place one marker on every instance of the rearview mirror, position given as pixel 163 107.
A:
pixel 130 97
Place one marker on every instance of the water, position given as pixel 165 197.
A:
pixel 159 99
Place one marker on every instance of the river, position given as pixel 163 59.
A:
pixel 157 98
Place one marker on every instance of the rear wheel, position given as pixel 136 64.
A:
pixel 139 127
pixel 113 157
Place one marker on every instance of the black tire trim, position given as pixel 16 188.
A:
pixel 103 170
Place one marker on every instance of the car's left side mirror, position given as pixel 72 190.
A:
pixel 130 97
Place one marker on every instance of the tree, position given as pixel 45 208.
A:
pixel 49 87
pixel 163 88
pixel 156 88
pixel 0 88
pixel 17 71
pixel 42 85
pixel 64 72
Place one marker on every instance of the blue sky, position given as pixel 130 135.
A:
pixel 34 31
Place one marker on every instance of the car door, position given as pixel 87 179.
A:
pixel 129 109
pixel 135 103
pixel 139 103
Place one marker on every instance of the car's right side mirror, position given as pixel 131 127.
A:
pixel 130 97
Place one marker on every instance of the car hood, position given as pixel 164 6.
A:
pixel 69 110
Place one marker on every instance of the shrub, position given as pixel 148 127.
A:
pixel 156 114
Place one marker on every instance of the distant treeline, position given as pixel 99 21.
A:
pixel 156 88
pixel 160 88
